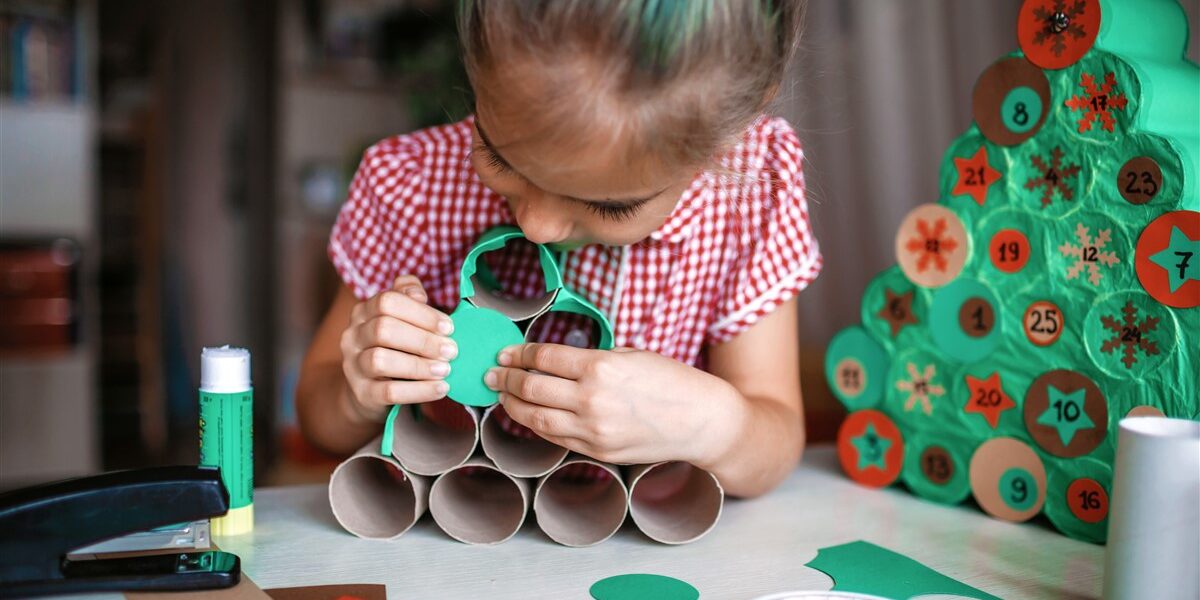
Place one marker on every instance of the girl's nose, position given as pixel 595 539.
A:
pixel 541 222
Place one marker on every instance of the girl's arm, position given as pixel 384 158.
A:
pixel 743 421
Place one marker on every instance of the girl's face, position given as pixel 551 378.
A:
pixel 595 190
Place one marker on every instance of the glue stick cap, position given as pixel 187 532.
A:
pixel 224 369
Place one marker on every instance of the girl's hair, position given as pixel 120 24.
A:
pixel 682 77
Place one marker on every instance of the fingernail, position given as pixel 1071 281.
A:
pixel 440 369
pixel 449 350
pixel 505 358
pixel 491 379
pixel 442 387
pixel 414 292
pixel 445 327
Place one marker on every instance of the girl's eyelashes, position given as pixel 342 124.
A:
pixel 493 160
pixel 614 212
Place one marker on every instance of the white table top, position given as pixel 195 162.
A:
pixel 759 547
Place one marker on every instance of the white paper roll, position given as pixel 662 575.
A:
pixel 1154 523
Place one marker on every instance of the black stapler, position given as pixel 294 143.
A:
pixel 40 525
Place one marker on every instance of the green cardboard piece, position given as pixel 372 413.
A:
pixel 966 320
pixel 494 239
pixel 935 466
pixel 865 568
pixel 641 586
pixel 569 301
pixel 481 333
pixel 856 367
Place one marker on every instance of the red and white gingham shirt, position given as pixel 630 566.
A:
pixel 736 245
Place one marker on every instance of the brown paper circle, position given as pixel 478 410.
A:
pixel 1043 323
pixel 1095 406
pixel 992 87
pixel 976 317
pixel 931 245
pixel 989 463
pixel 937 464
pixel 1139 180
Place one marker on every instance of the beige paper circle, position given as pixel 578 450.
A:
pixel 1144 411
pixel 990 462
pixel 931 245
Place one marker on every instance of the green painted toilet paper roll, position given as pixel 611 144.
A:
pixel 936 466
pixel 894 310
pixel 1077 497
pixel 1129 335
pixel 856 368
pixel 966 320
pixel 918 392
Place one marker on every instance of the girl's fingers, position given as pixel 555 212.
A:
pixel 390 332
pixel 406 392
pixel 410 285
pixel 385 363
pixel 404 307
pixel 535 388
pixel 556 359
pixel 543 420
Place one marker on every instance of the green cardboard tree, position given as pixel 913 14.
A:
pixel 1053 288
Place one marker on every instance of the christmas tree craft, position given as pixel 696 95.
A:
pixel 1053 288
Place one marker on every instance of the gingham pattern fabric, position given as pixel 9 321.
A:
pixel 736 246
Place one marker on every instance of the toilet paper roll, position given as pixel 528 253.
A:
pixel 434 438
pixel 1154 519
pixel 516 455
pixel 373 497
pixel 579 509
pixel 674 502
pixel 476 503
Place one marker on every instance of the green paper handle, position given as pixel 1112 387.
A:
pixel 568 301
pixel 389 431
pixel 494 239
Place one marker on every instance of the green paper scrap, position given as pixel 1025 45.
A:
pixel 865 568
pixel 642 586
pixel 481 333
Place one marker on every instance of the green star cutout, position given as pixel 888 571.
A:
pixel 1066 413
pixel 871 448
pixel 1181 259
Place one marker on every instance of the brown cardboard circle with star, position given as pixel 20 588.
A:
pixel 931 245
pixel 1008 96
pixel 1056 33
pixel 999 494
pixel 870 448
pixel 1066 413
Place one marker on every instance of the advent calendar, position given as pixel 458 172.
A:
pixel 1053 288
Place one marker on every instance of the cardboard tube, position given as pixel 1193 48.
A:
pixel 517 456
pixel 517 309
pixel 580 512
pixel 1154 521
pixel 426 447
pixel 476 503
pixel 674 502
pixel 373 497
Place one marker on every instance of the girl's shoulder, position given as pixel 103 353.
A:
pixel 421 149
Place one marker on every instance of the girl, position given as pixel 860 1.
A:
pixel 627 135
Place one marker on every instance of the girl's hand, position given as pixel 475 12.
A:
pixel 395 350
pixel 623 406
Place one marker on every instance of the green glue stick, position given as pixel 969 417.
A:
pixel 227 432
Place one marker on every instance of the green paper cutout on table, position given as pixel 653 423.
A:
pixel 641 586
pixel 1053 191
pixel 864 568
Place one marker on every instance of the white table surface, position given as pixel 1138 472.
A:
pixel 759 547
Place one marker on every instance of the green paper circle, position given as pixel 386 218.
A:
pixel 1061 474
pixel 855 344
pixel 905 404
pixel 946 330
pixel 1013 477
pixel 481 333
pixel 641 586
pixel 1032 109
pixel 958 486
pixel 1108 315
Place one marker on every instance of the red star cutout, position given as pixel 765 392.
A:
pixel 975 176
pixel 988 398
pixel 897 310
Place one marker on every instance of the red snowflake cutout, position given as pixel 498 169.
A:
pixel 1130 335
pixel 1054 177
pixel 931 244
pixel 1060 22
pixel 1099 103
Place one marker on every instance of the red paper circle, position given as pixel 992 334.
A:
pixel 1087 500
pixel 854 426
pixel 1154 239
pixel 1056 33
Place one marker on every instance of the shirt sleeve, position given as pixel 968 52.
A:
pixel 782 256
pixel 372 241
